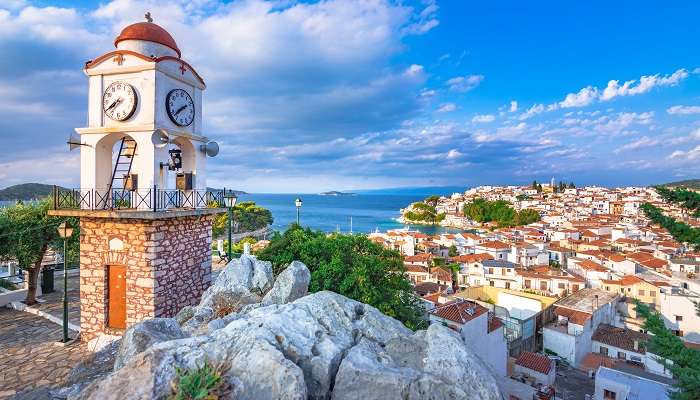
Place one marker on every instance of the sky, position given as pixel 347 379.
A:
pixel 362 94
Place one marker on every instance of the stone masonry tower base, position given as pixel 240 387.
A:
pixel 135 268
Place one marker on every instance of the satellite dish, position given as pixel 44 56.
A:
pixel 160 138
pixel 211 149
pixel 74 142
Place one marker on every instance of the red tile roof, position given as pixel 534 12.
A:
pixel 621 338
pixel 459 311
pixel 472 258
pixel 575 316
pixel 495 244
pixel 535 362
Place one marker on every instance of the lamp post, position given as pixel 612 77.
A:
pixel 65 231
pixel 298 203
pixel 230 201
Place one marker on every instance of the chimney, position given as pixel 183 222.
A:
pixel 636 345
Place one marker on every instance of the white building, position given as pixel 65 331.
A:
pixel 479 329
pixel 614 384
pixel 578 316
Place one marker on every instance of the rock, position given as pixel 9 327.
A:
pixel 432 364
pixel 262 276
pixel 185 314
pixel 145 334
pixel 291 284
pixel 320 346
pixel 101 341
pixel 94 367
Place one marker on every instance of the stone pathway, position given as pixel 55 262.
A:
pixel 29 355
pixel 54 300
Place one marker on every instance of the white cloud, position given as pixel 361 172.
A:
pixel 513 106
pixel 462 84
pixel 453 154
pixel 646 83
pixel 483 118
pixel 683 110
pixel 532 111
pixel 447 107
pixel 583 98
pixel 689 155
pixel 414 70
pixel 642 142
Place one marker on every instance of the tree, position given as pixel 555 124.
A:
pixel 432 200
pixel 27 233
pixel 424 212
pixel 685 362
pixel 481 210
pixel 351 265
pixel 534 184
pixel 247 216
pixel 571 185
pixel 452 251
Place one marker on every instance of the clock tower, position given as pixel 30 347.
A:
pixel 145 211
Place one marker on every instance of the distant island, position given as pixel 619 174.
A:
pixel 236 192
pixel 25 191
pixel 336 193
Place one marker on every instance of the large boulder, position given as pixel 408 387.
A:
pixel 432 364
pixel 242 282
pixel 291 284
pixel 316 348
pixel 141 336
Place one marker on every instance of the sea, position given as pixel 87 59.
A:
pixel 363 212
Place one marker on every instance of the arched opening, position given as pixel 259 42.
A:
pixel 116 164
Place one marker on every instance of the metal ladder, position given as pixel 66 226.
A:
pixel 125 157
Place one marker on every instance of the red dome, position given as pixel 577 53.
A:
pixel 150 32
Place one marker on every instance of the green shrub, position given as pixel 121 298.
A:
pixel 198 384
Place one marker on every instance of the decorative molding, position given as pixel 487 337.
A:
pixel 115 55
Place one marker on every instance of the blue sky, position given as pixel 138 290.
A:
pixel 311 96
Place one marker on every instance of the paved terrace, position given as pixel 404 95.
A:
pixel 29 355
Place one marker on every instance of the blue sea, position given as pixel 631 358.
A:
pixel 370 210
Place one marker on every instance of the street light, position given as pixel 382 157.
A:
pixel 230 202
pixel 298 203
pixel 65 231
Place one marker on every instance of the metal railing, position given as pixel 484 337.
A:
pixel 146 199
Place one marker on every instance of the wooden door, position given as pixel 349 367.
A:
pixel 116 297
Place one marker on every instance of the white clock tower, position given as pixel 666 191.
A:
pixel 145 106
pixel 145 211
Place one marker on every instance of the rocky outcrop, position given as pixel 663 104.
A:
pixel 291 284
pixel 144 335
pixel 319 346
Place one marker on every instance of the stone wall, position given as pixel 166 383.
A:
pixel 168 266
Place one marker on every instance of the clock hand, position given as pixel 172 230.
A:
pixel 114 104
pixel 179 110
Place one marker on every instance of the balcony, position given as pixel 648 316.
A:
pixel 139 203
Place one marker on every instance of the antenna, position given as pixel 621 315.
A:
pixel 74 142
pixel 211 149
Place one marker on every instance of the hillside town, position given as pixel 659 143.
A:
pixel 560 291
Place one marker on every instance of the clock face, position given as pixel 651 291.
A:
pixel 180 107
pixel 119 101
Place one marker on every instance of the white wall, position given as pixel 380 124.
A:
pixel 490 347
pixel 518 306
